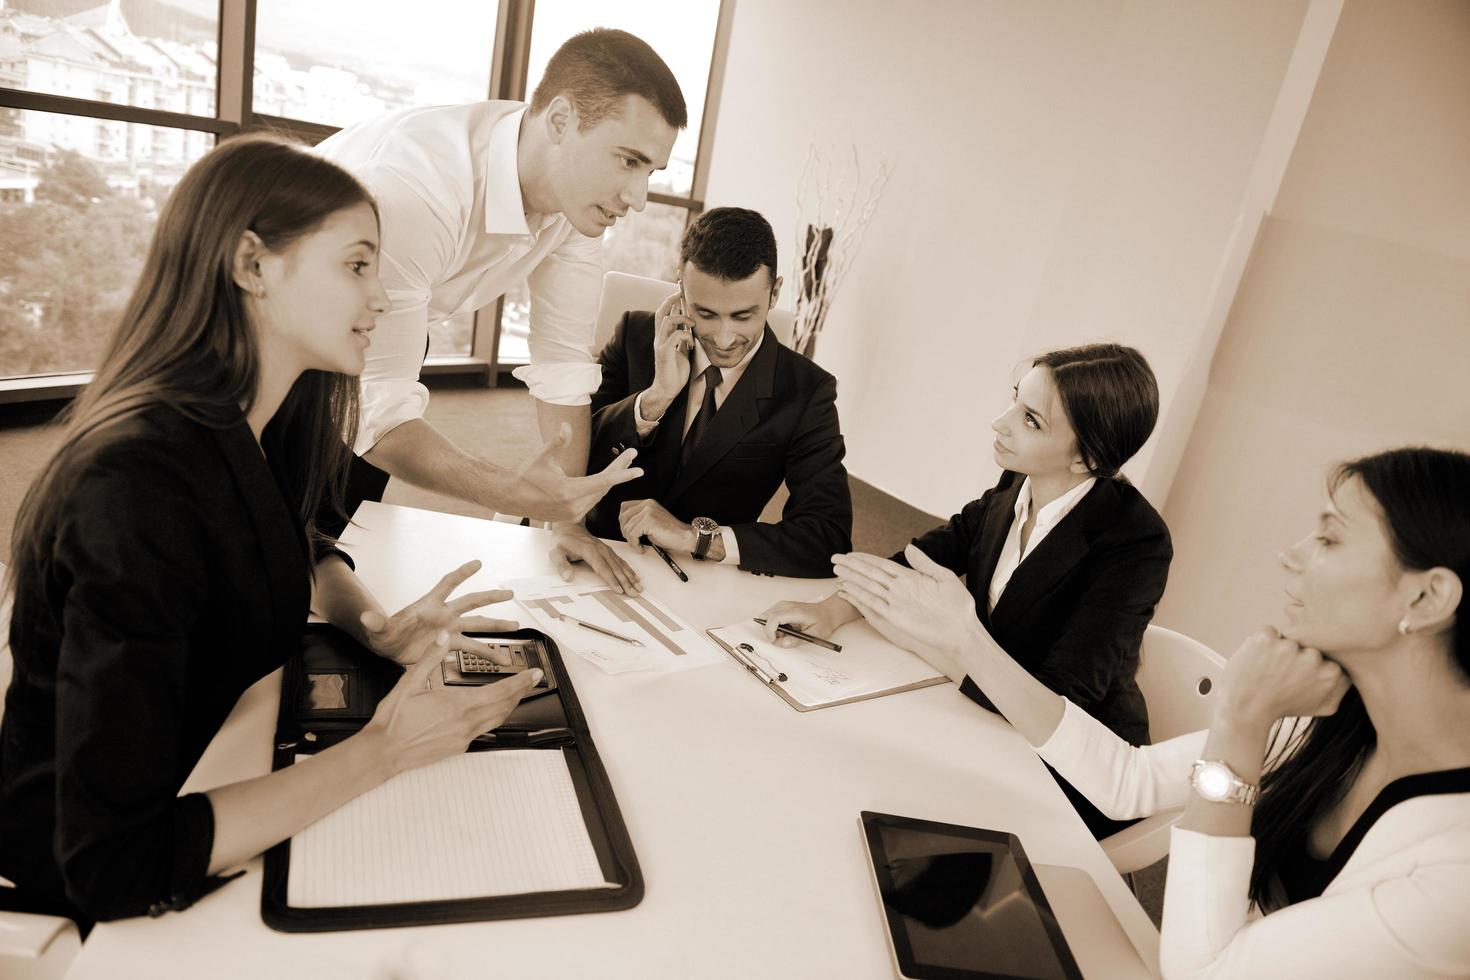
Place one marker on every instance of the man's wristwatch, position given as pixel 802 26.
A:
pixel 1215 781
pixel 705 531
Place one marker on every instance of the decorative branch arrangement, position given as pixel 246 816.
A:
pixel 831 223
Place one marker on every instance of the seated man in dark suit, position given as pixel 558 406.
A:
pixel 720 413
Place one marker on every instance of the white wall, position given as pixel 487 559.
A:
pixel 1065 172
pixel 1351 329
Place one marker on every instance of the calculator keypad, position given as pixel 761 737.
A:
pixel 473 663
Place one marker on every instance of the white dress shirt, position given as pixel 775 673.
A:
pixel 455 236
pixel 729 378
pixel 1400 906
pixel 1012 554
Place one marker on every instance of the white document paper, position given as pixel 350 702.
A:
pixel 868 665
pixel 504 822
pixel 665 642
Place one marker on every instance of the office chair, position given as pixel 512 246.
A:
pixel 1178 677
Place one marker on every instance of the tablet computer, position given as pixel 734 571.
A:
pixel 962 903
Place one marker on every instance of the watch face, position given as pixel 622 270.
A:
pixel 704 525
pixel 1213 782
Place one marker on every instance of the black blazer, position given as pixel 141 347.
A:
pixel 779 422
pixel 1074 611
pixel 176 577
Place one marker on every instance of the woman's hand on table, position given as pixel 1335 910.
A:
pixel 422 721
pixel 925 608
pixel 821 618
pixel 399 636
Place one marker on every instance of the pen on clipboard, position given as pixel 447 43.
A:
pixel 603 630
pixel 783 628
pixel 668 559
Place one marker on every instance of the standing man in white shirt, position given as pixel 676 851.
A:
pixel 476 199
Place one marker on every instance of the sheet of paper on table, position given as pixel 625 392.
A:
pixel 868 666
pixel 476 825
pixel 667 642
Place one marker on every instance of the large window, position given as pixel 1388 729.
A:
pixel 105 103
pixel 341 61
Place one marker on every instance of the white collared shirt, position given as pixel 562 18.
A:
pixel 729 377
pixel 455 236
pixel 1011 554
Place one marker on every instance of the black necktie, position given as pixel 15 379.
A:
pixel 712 379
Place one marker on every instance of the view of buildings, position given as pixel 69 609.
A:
pixel 66 178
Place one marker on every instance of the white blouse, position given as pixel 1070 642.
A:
pixel 1400 906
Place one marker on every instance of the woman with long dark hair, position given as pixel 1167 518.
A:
pixel 1065 560
pixel 1349 823
pixel 165 559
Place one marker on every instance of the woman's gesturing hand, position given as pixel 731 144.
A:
pixel 397 636
pixel 422 721
pixel 924 608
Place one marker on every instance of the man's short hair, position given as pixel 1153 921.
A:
pixel 596 68
pixel 731 243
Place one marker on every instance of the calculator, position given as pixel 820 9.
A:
pixel 462 668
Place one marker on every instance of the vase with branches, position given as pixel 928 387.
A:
pixel 834 209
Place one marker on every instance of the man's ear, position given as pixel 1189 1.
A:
pixel 560 119
pixel 776 291
pixel 246 269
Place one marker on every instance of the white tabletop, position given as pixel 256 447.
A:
pixel 743 812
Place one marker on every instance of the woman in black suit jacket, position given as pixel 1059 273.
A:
pixel 1064 559
pixel 165 559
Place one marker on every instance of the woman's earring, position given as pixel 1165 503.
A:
pixel 1404 628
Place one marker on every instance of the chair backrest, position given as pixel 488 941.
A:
pixel 1178 677
pixel 622 292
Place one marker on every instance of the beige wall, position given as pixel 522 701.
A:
pixel 1065 172
pixel 1351 329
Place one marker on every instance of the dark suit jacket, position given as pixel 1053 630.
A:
pixel 175 577
pixel 1074 611
pixel 779 422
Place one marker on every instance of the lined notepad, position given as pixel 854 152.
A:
pixel 505 822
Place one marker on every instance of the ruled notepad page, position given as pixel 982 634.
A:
pixel 504 822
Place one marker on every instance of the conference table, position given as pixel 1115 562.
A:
pixel 742 811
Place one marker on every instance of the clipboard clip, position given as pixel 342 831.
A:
pixel 746 655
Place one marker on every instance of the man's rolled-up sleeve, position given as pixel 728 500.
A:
pixel 565 288
pixel 419 231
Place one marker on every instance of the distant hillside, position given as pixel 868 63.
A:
pixel 147 18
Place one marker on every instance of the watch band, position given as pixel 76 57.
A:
pixel 1215 781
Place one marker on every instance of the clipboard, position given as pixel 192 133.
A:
pixel 780 688
pixel 365 679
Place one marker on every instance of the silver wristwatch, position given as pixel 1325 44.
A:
pixel 705 529
pixel 1213 780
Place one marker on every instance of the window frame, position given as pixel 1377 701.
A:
pixel 234 115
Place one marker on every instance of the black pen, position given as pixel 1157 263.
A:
pixel 527 738
pixel 783 628
pixel 668 560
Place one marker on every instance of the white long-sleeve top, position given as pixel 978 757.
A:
pixel 456 236
pixel 1400 906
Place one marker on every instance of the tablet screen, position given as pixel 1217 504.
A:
pixel 963 902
